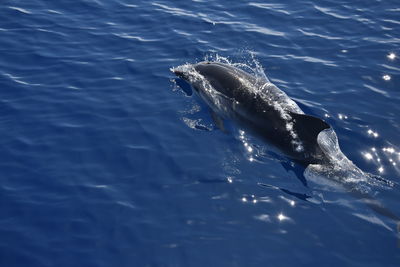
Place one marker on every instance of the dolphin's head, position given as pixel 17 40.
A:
pixel 187 71
pixel 196 75
pixel 210 69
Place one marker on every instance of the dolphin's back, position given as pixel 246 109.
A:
pixel 225 79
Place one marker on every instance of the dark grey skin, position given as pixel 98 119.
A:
pixel 237 100
pixel 259 113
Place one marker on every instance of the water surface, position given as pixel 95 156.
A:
pixel 106 162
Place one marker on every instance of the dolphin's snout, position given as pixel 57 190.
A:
pixel 178 73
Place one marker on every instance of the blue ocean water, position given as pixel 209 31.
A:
pixel 106 161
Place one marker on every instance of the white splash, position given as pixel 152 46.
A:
pixel 340 169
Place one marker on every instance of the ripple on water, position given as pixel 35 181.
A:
pixel 103 164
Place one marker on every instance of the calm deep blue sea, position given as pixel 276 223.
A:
pixel 106 159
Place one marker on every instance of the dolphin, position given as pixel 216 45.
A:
pixel 258 105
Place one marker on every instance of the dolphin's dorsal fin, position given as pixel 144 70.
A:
pixel 308 127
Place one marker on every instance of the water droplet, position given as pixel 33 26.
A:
pixel 282 217
pixel 368 156
pixel 391 56
pixel 374 134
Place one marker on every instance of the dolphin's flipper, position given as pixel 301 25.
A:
pixel 308 127
pixel 297 195
pixel 300 196
pixel 296 169
pixel 218 121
